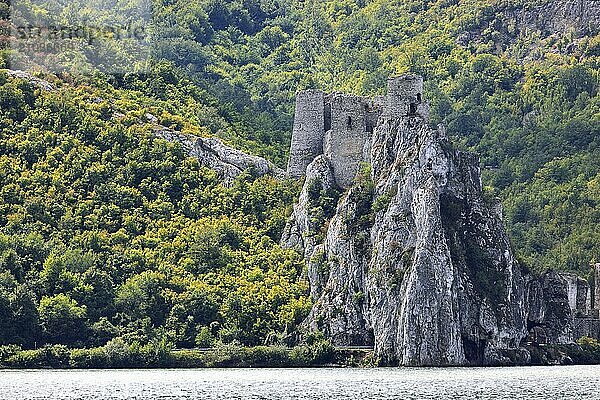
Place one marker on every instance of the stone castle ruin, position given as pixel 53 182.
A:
pixel 420 265
pixel 340 126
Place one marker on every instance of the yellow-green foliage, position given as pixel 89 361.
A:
pixel 150 244
pixel 108 231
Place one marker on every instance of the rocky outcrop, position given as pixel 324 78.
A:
pixel 418 264
pixel 415 261
pixel 549 316
pixel 556 16
pixel 543 23
pixel 228 162
pixel 35 81
pixel 304 230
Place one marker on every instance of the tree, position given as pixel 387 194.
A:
pixel 62 320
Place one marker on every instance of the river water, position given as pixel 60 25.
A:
pixel 564 382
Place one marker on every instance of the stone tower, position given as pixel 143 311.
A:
pixel 405 97
pixel 340 126
pixel 308 133
pixel 345 142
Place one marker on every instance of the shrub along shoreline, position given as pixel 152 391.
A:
pixel 118 354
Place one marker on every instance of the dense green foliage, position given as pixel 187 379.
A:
pixel 107 233
pixel 158 354
pixel 527 103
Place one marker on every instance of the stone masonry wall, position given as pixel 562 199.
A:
pixel 307 137
pixel 340 126
pixel 345 142
pixel 404 91
pixel 577 292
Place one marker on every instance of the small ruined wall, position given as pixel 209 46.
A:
pixel 345 142
pixel 307 137
pixel 577 292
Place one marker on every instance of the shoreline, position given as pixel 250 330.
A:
pixel 229 356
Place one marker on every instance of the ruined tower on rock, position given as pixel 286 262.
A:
pixel 340 126
pixel 307 137
pixel 411 259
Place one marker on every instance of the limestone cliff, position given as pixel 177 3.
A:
pixel 557 24
pixel 228 162
pixel 415 260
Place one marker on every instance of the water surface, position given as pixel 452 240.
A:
pixel 564 382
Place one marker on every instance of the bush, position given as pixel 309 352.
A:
pixel 89 358
pixel 54 356
pixel 590 346
pixel 119 353
pixel 205 338
pixel 157 353
pixel 317 350
pixel 188 359
pixel 8 351
pixel 267 356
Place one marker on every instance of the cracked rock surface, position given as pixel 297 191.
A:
pixel 414 260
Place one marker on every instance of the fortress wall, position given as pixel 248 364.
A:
pixel 345 142
pixel 403 91
pixel 308 133
pixel 577 293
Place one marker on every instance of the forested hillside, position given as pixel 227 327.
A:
pixel 106 230
pixel 513 81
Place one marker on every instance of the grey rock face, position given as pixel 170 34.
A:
pixel 303 231
pixel 555 16
pixel 40 83
pixel 415 261
pixel 549 317
pixel 442 258
pixel 541 22
pixel 228 162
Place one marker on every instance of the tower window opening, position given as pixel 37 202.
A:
pixel 412 109
pixel 419 98
pixel 349 122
